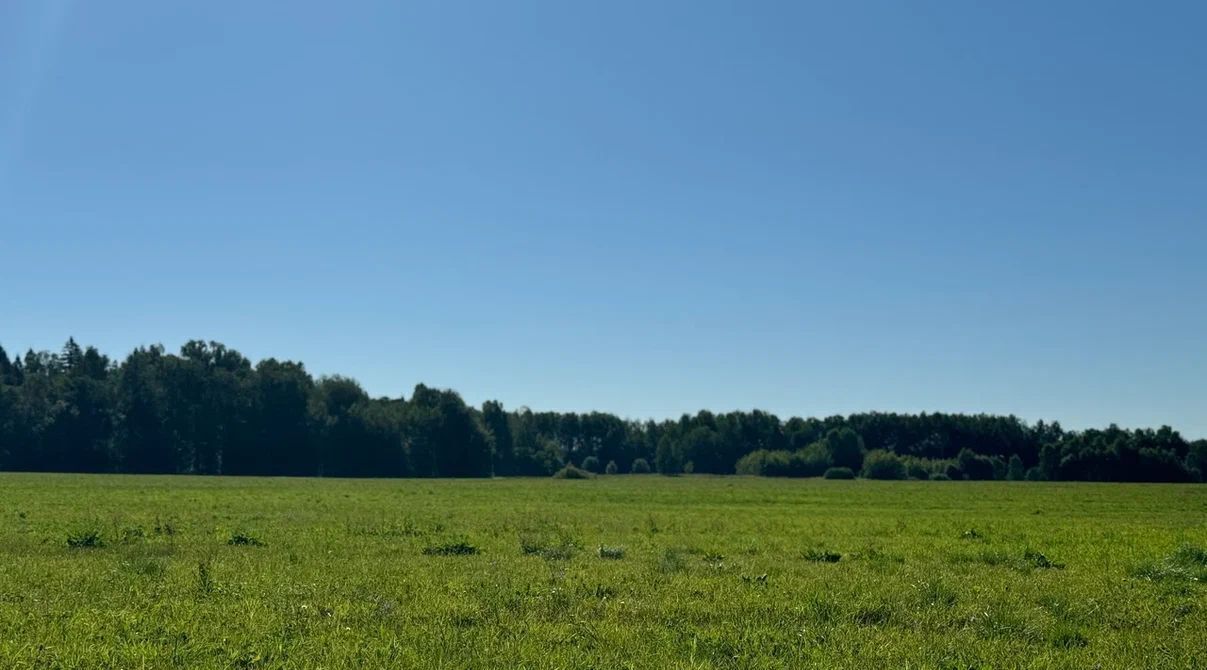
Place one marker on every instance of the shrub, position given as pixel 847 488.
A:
pixel 571 472
pixel 752 463
pixel 977 466
pixel 953 471
pixel 1034 475
pixel 640 467
pixel 999 467
pixel 591 464
pixel 839 473
pixel 611 468
pixel 882 464
pixel 917 467
pixel 777 463
pixel 939 477
pixel 1015 471
pixel 811 461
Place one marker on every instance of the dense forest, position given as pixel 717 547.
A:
pixel 209 410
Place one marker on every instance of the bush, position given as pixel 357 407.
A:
pixel 811 461
pixel 1015 471
pixel 916 470
pixel 776 463
pixel 571 472
pixel 953 471
pixel 640 467
pixel 750 464
pixel 611 468
pixel 999 467
pixel 839 473
pixel 939 477
pixel 1034 475
pixel 976 466
pixel 918 467
pixel 756 463
pixel 882 464
pixel 591 464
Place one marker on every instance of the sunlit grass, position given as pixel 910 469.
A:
pixel 611 572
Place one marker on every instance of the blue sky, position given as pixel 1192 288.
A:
pixel 645 208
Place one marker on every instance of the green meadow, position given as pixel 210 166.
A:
pixel 113 571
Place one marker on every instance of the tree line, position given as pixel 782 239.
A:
pixel 209 410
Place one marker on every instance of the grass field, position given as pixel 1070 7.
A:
pixel 616 572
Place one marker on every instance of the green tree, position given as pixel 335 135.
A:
pixel 345 449
pixel 1196 459
pixel 669 457
pixel 1015 471
pixel 975 466
pixel 812 461
pixel 846 448
pixel 444 438
pixel 284 438
pixel 703 448
pixel 881 464
pixel 498 432
pixel 147 444
pixel 7 370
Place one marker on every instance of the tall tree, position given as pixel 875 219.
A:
pixel 444 438
pixel 147 445
pixel 498 431
pixel 846 448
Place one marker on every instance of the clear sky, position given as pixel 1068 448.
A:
pixel 640 207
